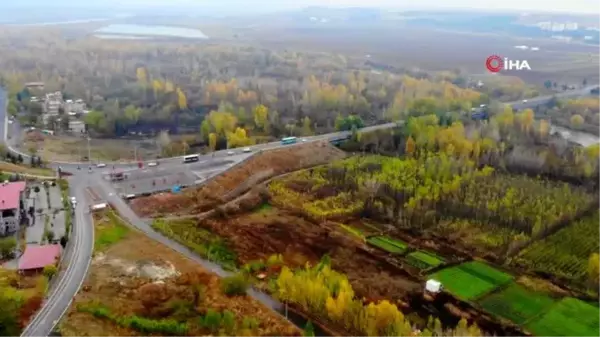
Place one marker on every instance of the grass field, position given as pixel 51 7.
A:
pixel 471 280
pixel 23 169
pixel 388 244
pixel 569 317
pixel 516 303
pixel 108 230
pixel 424 260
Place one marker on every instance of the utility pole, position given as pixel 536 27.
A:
pixel 88 148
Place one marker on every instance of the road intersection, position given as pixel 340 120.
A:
pixel 77 257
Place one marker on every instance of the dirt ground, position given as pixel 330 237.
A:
pixel 68 148
pixel 121 276
pixel 195 200
pixel 268 231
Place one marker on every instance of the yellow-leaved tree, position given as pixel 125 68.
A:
pixel 181 99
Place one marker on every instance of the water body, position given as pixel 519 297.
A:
pixel 131 30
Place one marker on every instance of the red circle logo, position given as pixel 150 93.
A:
pixel 494 63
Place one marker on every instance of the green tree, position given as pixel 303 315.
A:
pixel 548 84
pixel 9 325
pixel 309 330
pixel 261 116
pixel 306 130
pixel 212 141
pixel 205 130
pixel 576 120
pixel 132 114
pixel 235 285
pixel 593 269
pixel 7 247
pixel 50 270
pixel 50 235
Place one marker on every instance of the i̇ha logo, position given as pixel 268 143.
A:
pixel 496 63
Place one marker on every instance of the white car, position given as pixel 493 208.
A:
pixel 152 164
pixel 524 101
pixel 100 165
pixel 303 140
pixel 73 201
pixel 247 149
pixel 230 153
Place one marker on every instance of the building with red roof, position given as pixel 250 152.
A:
pixel 12 197
pixel 36 258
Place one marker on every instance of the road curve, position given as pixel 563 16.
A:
pixel 77 258
pixel 530 103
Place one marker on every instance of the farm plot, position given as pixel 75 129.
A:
pixel 569 317
pixel 566 252
pixel 388 244
pixel 424 260
pixel 527 205
pixel 516 303
pixel 470 280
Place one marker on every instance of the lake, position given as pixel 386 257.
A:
pixel 131 30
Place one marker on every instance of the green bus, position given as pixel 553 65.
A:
pixel 288 140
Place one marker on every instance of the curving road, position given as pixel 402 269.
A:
pixel 77 257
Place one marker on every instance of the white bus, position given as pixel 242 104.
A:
pixel 191 158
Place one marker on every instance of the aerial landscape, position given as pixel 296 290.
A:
pixel 183 168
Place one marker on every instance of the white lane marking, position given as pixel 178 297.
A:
pixel 46 310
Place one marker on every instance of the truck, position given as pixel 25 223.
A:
pixel 288 140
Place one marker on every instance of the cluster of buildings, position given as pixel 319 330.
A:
pixel 12 216
pixel 558 26
pixel 12 210
pixel 52 104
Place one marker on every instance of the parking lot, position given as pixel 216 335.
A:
pixel 165 177
pixel 48 215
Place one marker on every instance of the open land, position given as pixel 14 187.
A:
pixel 315 212
pixel 135 282
pixel 68 148
pixel 440 50
pixel 6 167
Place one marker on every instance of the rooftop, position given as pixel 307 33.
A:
pixel 39 256
pixel 10 194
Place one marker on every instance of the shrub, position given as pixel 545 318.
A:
pixel 250 323
pixel 50 271
pixel 228 322
pixel 211 321
pixel 234 285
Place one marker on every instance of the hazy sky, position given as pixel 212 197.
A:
pixel 254 6
pixel 582 6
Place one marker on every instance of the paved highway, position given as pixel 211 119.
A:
pixel 70 166
pixel 78 255
pixel 76 258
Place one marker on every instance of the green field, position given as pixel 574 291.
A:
pixel 566 252
pixel 516 303
pixel 108 231
pixel 569 317
pixel 388 244
pixel 424 260
pixel 471 280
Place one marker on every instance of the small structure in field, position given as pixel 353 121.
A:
pixel 433 286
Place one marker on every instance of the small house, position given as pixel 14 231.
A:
pixel 433 286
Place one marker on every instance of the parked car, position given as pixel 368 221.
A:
pixel 247 149
pixel 230 153
pixel 100 165
pixel 152 164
